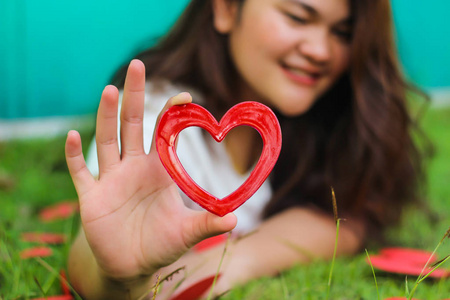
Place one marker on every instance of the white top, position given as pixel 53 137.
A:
pixel 205 160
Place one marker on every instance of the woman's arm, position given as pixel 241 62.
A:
pixel 291 237
pixel 294 236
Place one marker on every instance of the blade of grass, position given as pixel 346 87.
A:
pixel 337 220
pixel 46 286
pixel 14 270
pixel 178 284
pixel 374 276
pixel 406 286
pixel 221 295
pixel 218 269
pixel 170 275
pixel 330 276
pixel 17 271
pixel 155 288
pixel 421 277
pixel 165 278
pixel 160 280
pixel 39 286
pixel 435 267
pixel 446 235
pixel 284 287
pixel 52 270
pixel 439 262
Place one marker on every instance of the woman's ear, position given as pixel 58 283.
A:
pixel 225 12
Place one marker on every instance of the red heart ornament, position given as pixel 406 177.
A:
pixel 253 114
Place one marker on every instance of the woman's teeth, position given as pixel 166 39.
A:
pixel 300 72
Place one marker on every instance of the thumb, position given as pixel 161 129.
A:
pixel 180 99
pixel 205 225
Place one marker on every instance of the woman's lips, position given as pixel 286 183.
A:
pixel 301 76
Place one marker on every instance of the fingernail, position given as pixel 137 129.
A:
pixel 182 98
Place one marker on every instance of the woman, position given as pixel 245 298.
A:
pixel 328 70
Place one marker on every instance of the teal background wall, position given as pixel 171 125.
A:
pixel 56 56
pixel 423 38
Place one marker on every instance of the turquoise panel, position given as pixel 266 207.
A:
pixel 56 56
pixel 423 37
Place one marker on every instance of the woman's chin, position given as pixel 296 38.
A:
pixel 294 107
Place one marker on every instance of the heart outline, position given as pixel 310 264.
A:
pixel 253 114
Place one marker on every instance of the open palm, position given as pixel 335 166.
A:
pixel 133 217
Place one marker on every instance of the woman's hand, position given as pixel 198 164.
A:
pixel 133 216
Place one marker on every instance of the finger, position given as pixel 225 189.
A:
pixel 180 99
pixel 106 132
pixel 132 112
pixel 205 225
pixel 81 177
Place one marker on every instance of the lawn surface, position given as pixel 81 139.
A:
pixel 33 175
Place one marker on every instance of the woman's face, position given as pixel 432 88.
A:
pixel 288 52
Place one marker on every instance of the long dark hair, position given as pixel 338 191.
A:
pixel 356 138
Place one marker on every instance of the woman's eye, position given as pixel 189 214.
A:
pixel 345 35
pixel 296 18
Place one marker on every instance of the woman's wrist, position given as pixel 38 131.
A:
pixel 138 287
pixel 93 282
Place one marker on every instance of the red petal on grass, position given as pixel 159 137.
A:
pixel 403 298
pixel 399 298
pixel 210 242
pixel 408 254
pixel 406 262
pixel 59 211
pixel 43 237
pixel 36 252
pixel 400 267
pixel 64 287
pixel 59 297
pixel 196 290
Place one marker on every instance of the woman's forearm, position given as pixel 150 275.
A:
pixel 89 281
pixel 294 236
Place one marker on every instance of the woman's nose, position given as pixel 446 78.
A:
pixel 316 46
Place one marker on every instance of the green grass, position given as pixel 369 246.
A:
pixel 33 174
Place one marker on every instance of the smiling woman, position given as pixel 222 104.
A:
pixel 293 44
pixel 329 71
